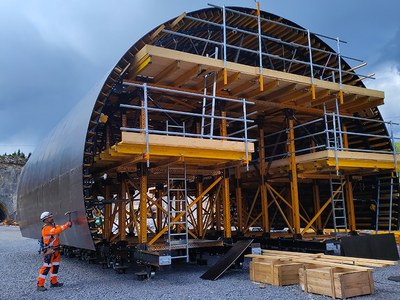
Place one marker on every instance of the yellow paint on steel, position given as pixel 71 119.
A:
pixel 322 209
pixel 122 214
pixel 293 181
pixel 143 206
pixel 350 205
pixel 313 92
pixel 177 217
pixel 226 206
pixel 341 100
pixel 225 76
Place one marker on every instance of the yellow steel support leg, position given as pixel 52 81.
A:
pixel 293 179
pixel 225 77
pixel 178 216
pixel 199 191
pixel 263 187
pixel 317 205
pixel 159 212
pixel 350 204
pixel 122 214
pixel 239 200
pixel 143 204
pixel 313 92
pixel 341 99
pixel 226 205
pixel 107 215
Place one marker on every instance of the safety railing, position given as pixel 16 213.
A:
pixel 227 27
pixel 328 133
pixel 241 124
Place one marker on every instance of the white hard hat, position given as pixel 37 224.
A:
pixel 45 215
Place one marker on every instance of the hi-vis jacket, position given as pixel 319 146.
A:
pixel 50 236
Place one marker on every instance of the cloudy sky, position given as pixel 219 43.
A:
pixel 52 52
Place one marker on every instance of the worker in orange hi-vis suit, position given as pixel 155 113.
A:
pixel 51 244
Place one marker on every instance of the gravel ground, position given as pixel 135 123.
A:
pixel 20 264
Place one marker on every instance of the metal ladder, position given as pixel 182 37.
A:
pixel 338 204
pixel 178 237
pixel 387 195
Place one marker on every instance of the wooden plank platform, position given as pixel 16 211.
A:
pixel 285 89
pixel 163 146
pixel 326 160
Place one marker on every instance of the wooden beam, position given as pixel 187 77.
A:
pixel 188 75
pixel 173 67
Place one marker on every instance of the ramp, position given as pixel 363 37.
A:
pixel 227 260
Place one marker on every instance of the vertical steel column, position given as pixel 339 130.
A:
pixel 391 203
pixel 224 44
pixel 199 191
pixel 159 212
pixel 226 205
pixel 293 179
pixel 345 138
pixel 351 217
pixel 245 133
pixel 143 203
pixel 317 205
pixel 107 213
pixel 394 148
pixel 311 65
pixel 339 126
pixel 263 187
pixel 239 200
pixel 340 72
pixel 146 124
pixel 261 78
pixel 217 206
pixel 203 111
pixel 122 213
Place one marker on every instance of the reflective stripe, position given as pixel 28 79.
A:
pixel 42 276
pixel 47 265
pixel 53 275
pixel 56 263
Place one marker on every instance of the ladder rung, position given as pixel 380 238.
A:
pixel 178 223
pixel 175 234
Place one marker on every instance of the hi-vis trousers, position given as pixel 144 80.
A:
pixel 51 263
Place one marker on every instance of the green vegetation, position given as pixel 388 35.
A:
pixel 17 154
pixel 397 147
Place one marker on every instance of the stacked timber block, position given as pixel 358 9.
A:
pixel 335 276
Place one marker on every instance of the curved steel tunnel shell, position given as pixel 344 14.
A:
pixel 52 179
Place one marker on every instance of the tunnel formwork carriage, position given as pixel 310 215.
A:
pixel 224 122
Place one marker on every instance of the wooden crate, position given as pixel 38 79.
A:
pixel 275 272
pixel 336 282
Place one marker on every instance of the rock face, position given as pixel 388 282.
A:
pixel 10 169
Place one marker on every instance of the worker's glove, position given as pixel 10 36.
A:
pixel 69 224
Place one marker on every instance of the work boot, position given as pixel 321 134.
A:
pixel 41 288
pixel 57 284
